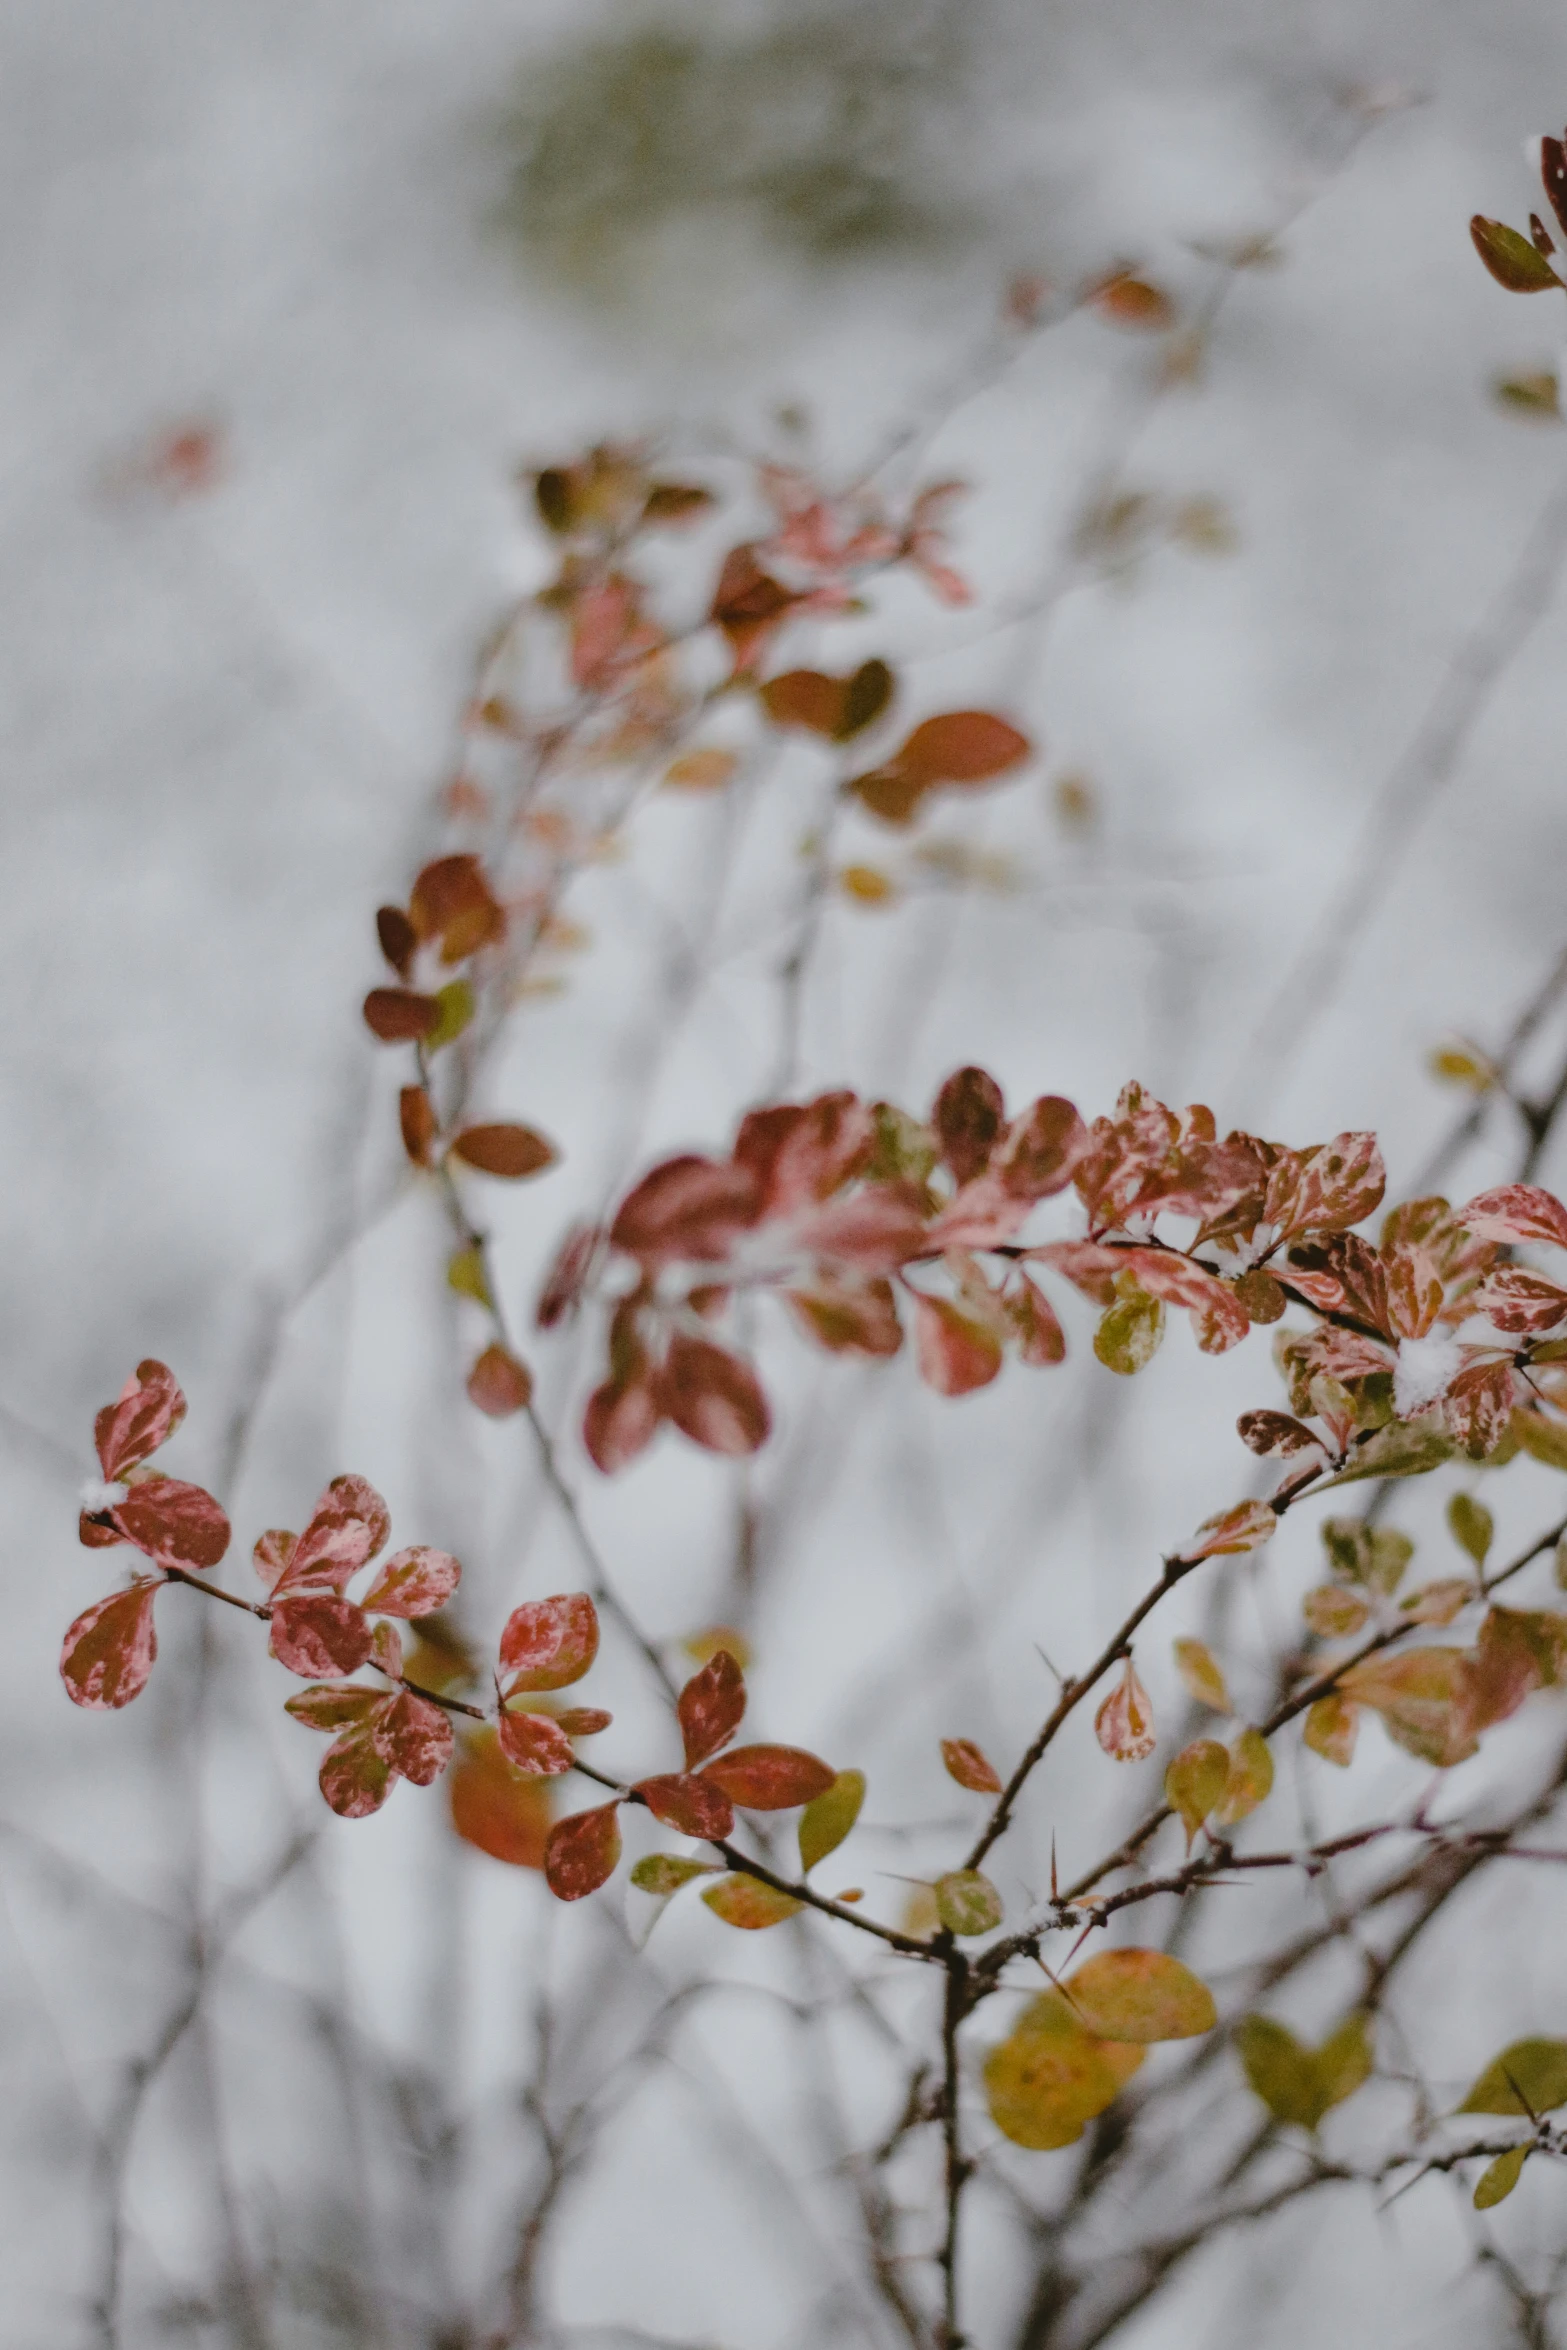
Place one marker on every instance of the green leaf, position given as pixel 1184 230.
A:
pixel 1404 1448
pixel 664 1873
pixel 827 1819
pixel 967 1902
pixel 1195 1782
pixel 1499 2178
pixel 1530 2076
pixel 465 1274
pixel 1510 257
pixel 1130 1333
pixel 1471 1525
pixel 1544 1440
pixel 1300 2084
pixel 456 1007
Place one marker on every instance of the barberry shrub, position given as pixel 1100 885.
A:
pixel 1407 1346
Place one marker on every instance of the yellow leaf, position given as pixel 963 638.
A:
pixel 1140 1995
pixel 707 770
pixel 749 1904
pixel 1251 1778
pixel 1201 1672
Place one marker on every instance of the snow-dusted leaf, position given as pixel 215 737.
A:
pixel 1515 1211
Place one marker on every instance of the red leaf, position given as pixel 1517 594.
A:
pixel 955 1354
pixel 414 1737
pixel 693 1805
pixel 549 1643
pixel 1516 1211
pixel 334 1705
pixel 584 1721
pixel 748 604
pixel 452 901
pixel 413 1583
pixel 1041 1341
pixel 109 1650
pixel 94 1534
pixel 769 1778
pixel 397 1016
pixel 620 1421
pixel 1520 1301
pixel 347 1527
pixel 1276 1435
pixel 568 1276
pixel 969 1767
pixel 1132 301
pixel 710 1707
pixel 1043 1149
pixel 146 1413
pixel 874 1230
pixel 686 1209
pixel 962 746
pixel 849 1317
pixel 712 1396
pixel 499 1385
pixel 581 1852
pixel 804 697
pixel 315 1633
pixel 969 1118
pixel 398 938
pixel 1334 1185
pixel 494 1810
pixel 354 1778
pixel 535 1744
pixel 508 1151
pixel 418 1122
pixel 177 1524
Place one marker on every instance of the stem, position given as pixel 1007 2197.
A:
pixel 958 2171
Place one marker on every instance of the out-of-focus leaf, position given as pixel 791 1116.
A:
pixel 582 1851
pixel 1050 2077
pixel 967 1902
pixel 969 1118
pixel 1404 1448
pixel 713 1396
pixel 703 770
pixel 710 1707
pixel 1499 2178
pixel 1537 394
pixel 397 936
pixel 1124 1724
pixel 110 1649
pixel 396 1015
pixel 510 1152
pixel 549 1643
pixel 499 1385
pixel 1200 1670
pixel 1247 1526
pixel 1300 2084
pixel 1334 1613
pixel 493 1809
pixel 413 1583
pixel 827 1818
pixel 1530 2076
pixel 969 1766
pixel 1542 1439
pixel 1373 1555
pixel 1331 1727
pixel 749 1904
pixel 1510 258
pixel 956 1353
pixel 769 1778
pixel 1141 1996
pixel 418 1123
pixel 1195 1782
pixel 1251 1778
pixel 1132 301
pixel 1422 1697
pixel 454 1009
pixel 466 1274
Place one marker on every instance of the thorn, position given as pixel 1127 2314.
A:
pixel 1058 1677
pixel 1055 1883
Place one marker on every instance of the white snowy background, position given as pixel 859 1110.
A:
pixel 224 719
